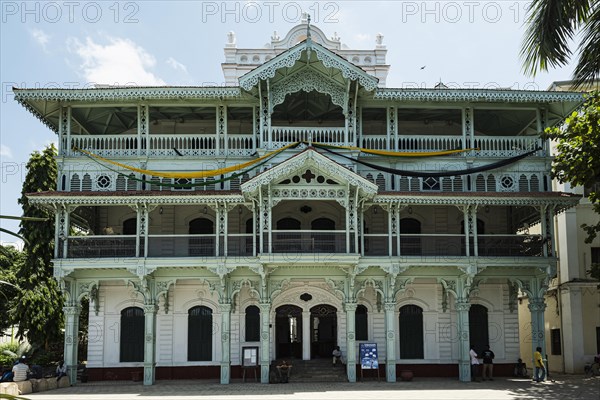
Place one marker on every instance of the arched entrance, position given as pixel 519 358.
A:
pixel 323 329
pixel 288 331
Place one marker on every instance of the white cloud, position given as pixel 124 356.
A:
pixel 120 62
pixel 41 37
pixel 362 37
pixel 176 65
pixel 5 151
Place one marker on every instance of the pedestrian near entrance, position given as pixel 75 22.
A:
pixel 337 355
pixel 488 365
pixel 474 365
pixel 540 368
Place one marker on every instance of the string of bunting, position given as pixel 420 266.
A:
pixel 394 171
pixel 251 165
pixel 190 175
pixel 184 185
pixel 387 153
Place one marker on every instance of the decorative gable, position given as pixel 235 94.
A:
pixel 308 53
pixel 309 174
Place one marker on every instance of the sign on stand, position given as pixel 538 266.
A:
pixel 368 358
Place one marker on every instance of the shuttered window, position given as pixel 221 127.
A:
pixel 200 334
pixel 360 321
pixel 411 332
pixel 132 335
pixel 252 324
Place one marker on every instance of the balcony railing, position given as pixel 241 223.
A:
pixel 164 145
pixel 244 145
pixel 307 242
pixel 506 146
pixel 283 135
pixel 106 246
pixel 298 242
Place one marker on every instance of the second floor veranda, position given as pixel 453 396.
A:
pixel 299 228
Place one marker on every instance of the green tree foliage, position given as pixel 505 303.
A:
pixel 10 260
pixel 578 153
pixel 553 24
pixel 38 311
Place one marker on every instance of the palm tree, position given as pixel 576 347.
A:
pixel 552 25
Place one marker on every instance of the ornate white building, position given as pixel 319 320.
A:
pixel 304 207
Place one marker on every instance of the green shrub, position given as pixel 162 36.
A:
pixel 6 358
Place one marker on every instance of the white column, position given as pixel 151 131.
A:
pixel 350 309
pixel 537 306
pixel 390 341
pixel 306 335
pixel 225 342
pixel 464 359
pixel 572 329
pixel 143 130
pixel 149 343
pixel 71 340
pixel 265 342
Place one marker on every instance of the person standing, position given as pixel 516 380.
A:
pixel 540 368
pixel 488 366
pixel 474 364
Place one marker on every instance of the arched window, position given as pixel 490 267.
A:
pixel 323 242
pixel 287 241
pixel 360 323
pixel 252 324
pixel 200 334
pixel 132 335
pixel 410 243
pixel 201 245
pixel 130 226
pixel 411 332
pixel 478 327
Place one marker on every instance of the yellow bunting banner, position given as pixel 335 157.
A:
pixel 387 153
pixel 189 175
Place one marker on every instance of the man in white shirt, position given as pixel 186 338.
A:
pixel 474 365
pixel 20 371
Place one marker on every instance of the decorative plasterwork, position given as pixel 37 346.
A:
pixel 561 203
pixel 349 71
pixel 268 69
pixel 288 58
pixel 309 159
pixel 82 200
pixel 127 93
pixel 491 95
pixel 308 79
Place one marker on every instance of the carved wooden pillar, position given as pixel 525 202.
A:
pixel 71 312
pixel 350 308
pixel 265 342
pixel 150 311
pixel 225 342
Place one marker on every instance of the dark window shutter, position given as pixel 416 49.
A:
pixel 200 334
pixel 132 335
pixel 411 332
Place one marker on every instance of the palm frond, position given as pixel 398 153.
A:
pixel 588 67
pixel 552 24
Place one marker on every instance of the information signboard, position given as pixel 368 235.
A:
pixel 368 356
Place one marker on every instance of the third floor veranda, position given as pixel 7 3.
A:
pixel 235 123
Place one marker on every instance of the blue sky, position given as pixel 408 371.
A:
pixel 79 43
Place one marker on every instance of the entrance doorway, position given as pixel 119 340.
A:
pixel 323 329
pixel 288 331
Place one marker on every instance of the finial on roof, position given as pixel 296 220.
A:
pixel 307 26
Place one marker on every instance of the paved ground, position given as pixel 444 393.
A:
pixel 565 387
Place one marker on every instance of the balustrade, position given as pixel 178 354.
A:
pixel 244 145
pixel 334 242
pixel 283 135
